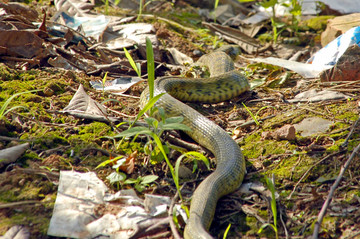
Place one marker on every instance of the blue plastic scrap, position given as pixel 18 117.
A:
pixel 328 56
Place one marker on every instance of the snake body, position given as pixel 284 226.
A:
pixel 224 83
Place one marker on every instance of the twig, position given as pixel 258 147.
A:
pixel 353 127
pixel 331 193
pixel 5 138
pixel 120 113
pixel 174 231
pixel 283 223
pixel 15 204
pixel 252 122
pixel 175 24
pixel 312 111
pixel 182 143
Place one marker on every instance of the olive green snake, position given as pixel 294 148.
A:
pixel 224 83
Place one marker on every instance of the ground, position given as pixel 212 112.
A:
pixel 304 167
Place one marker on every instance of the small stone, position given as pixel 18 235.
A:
pixel 266 135
pixel 286 132
pixel 22 182
pixel 197 52
pixel 185 173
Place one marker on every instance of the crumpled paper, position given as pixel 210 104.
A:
pixel 84 208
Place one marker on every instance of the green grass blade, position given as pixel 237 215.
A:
pixel 106 162
pixel 3 110
pixel 251 114
pixel 150 66
pixel 160 146
pixel 14 108
pixel 147 107
pixel 226 231
pixel 197 155
pixel 273 199
pixel 176 126
pixel 132 62
pixel 141 2
pixel 201 157
pixel 263 226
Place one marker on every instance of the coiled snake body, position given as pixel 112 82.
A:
pixel 225 83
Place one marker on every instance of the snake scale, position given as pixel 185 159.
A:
pixel 224 83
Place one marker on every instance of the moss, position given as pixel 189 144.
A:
pixel 7 74
pixel 292 116
pixel 347 112
pixel 92 132
pixel 57 86
pixel 29 191
pixel 351 195
pixel 43 139
pixel 336 146
pixel 317 23
pixel 287 169
pixel 129 147
pixel 254 147
pixel 38 224
pixel 329 224
pixel 253 225
pixel 28 75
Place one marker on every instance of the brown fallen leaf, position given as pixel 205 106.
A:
pixel 128 166
pixel 20 43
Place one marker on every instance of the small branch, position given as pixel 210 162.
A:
pixel 15 204
pixel 182 143
pixel 331 193
pixel 174 230
pixel 283 223
pixel 353 127
pixel 5 138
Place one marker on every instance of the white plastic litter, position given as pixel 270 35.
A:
pixel 84 208
pixel 328 56
pixel 324 59
pixel 117 86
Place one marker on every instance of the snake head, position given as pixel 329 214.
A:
pixel 232 50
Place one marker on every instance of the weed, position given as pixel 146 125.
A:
pixel 3 110
pixel 278 26
pixel 141 182
pixel 271 186
pixel 256 116
pixel 119 178
pixel 154 130
pixel 142 6
pixel 150 66
pixel 106 2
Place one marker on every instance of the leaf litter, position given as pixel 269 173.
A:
pixel 60 59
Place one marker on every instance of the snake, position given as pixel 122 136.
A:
pixel 224 83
